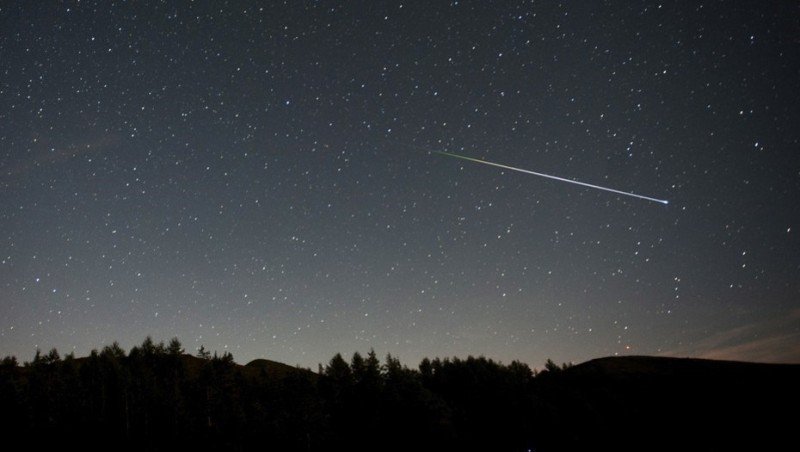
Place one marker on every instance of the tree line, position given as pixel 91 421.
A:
pixel 156 397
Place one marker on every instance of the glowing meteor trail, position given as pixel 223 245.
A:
pixel 662 201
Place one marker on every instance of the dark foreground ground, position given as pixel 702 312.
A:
pixel 157 398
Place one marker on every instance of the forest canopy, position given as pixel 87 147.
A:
pixel 157 397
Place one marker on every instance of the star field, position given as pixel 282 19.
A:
pixel 261 178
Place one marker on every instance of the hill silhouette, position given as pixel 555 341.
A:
pixel 672 403
pixel 270 367
pixel 156 397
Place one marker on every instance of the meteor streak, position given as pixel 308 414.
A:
pixel 647 198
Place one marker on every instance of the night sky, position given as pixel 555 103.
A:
pixel 264 179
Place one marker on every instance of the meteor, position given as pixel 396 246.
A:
pixel 584 184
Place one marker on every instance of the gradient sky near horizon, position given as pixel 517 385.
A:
pixel 262 178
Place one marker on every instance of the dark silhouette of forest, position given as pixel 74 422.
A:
pixel 156 397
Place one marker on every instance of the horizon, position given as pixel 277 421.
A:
pixel 348 355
